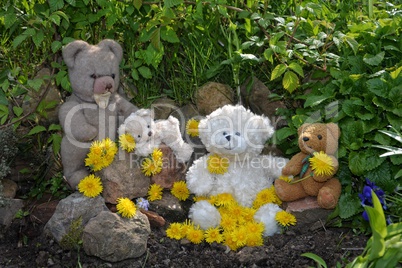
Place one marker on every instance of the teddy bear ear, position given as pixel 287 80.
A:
pixel 71 50
pixel 334 129
pixel 112 46
pixel 145 112
pixel 263 123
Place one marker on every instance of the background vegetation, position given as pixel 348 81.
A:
pixel 329 61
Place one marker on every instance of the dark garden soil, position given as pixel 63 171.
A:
pixel 23 244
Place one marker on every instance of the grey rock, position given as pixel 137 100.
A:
pixel 163 107
pixel 9 188
pixel 170 208
pixel 212 96
pixel 123 178
pixel 9 209
pixel 114 238
pixel 72 208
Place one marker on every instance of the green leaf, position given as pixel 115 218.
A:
pixel 168 34
pixel 268 55
pixel 18 111
pixel 18 40
pixel 4 112
pixel 314 100
pixel 9 20
pixel 349 205
pixel 297 68
pixel 155 38
pixel 172 3
pixel 378 87
pixel 378 227
pixel 354 45
pixel 284 133
pixel 137 4
pixel 374 60
pixel 357 163
pixel 145 72
pixel 54 127
pixel 320 261
pixel 55 19
pixel 56 46
pixel 36 129
pixel 290 81
pixel 38 38
pixel 278 71
pixel 56 4
pixel 56 143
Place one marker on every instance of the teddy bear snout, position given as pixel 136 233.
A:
pixel 103 84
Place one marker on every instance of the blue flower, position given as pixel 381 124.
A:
pixel 142 203
pixel 367 199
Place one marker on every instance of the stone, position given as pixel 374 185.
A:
pixel 123 178
pixel 309 215
pixel 9 188
pixel 255 96
pixel 8 211
pixel 163 107
pixel 154 219
pixel 114 238
pixel 212 96
pixel 52 99
pixel 44 211
pixel 172 170
pixel 170 208
pixel 70 209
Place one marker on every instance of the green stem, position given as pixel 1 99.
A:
pixel 302 179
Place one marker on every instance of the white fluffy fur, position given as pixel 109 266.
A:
pixel 248 173
pixel 149 134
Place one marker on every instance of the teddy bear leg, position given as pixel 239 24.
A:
pixel 289 192
pixel 73 159
pixel 329 194
pixel 266 214
pixel 205 215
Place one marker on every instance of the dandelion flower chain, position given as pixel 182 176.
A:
pixel 192 127
pixel 101 154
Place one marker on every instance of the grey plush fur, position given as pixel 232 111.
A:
pixel 95 109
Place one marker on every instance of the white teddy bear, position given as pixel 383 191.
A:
pixel 238 135
pixel 149 134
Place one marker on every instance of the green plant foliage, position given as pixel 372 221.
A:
pixel 73 238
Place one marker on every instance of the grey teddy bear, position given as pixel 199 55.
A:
pixel 95 109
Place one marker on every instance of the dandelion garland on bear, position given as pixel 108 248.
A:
pixel 238 227
pixel 101 154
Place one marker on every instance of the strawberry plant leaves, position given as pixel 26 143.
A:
pixel 349 205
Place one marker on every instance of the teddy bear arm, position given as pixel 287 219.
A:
pixel 199 180
pixel 75 124
pixel 294 166
pixel 125 107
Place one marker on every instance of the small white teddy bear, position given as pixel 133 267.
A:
pixel 149 134
pixel 238 135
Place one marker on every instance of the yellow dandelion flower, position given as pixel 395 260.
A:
pixel 322 164
pixel 239 236
pixel 199 198
pixel 185 227
pixel 175 231
pixel 228 223
pixel 224 199
pixel 254 239
pixel 157 155
pixel 180 190
pixel 195 235
pixel 213 235
pixel 227 235
pixel 254 227
pixel 151 167
pixel 276 198
pixel 101 154
pixel 125 207
pixel 236 212
pixel 285 178
pixel 217 164
pixel 264 197
pixel 90 186
pixel 155 192
pixel 127 142
pixel 192 127
pixel 285 218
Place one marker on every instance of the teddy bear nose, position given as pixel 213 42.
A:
pixel 108 86
pixel 150 133
pixel 227 137
pixel 305 139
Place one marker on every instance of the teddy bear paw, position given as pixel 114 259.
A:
pixel 205 215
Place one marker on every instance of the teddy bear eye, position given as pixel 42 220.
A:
pixel 224 133
pixel 148 126
pixel 319 137
pixel 113 76
pixel 139 136
pixel 93 76
pixel 237 133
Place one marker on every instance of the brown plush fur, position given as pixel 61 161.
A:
pixel 313 138
pixel 93 70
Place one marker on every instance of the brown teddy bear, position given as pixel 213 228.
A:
pixel 313 139
pixel 94 109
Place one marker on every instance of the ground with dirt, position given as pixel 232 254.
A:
pixel 24 245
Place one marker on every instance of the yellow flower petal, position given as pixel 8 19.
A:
pixel 217 164
pixel 155 192
pixel 127 142
pixel 125 207
pixel 285 218
pixel 322 164
pixel 90 186
pixel 192 127
pixel 180 190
